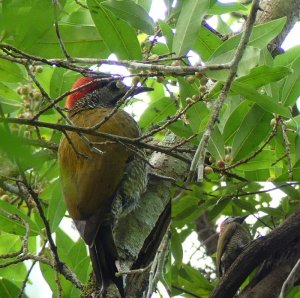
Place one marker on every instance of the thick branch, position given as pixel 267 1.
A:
pixel 260 249
pixel 275 9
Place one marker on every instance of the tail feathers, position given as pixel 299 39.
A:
pixel 103 255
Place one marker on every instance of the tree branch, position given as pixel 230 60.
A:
pixel 199 157
pixel 255 253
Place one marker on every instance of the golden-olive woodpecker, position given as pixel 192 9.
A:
pixel 100 186
pixel 232 239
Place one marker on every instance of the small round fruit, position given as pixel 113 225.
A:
pixel 273 122
pixel 221 164
pixel 135 79
pixel 36 95
pixel 39 69
pixel 228 149
pixel 153 57
pixel 120 85
pixel 176 63
pixel 160 79
pixel 5 198
pixel 198 74
pixel 189 100
pixel 228 158
pixel 32 68
pixel 202 89
pixel 195 97
pixel 203 81
pixel 190 79
pixel 211 159
pixel 208 170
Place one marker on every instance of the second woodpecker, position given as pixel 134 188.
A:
pixel 232 239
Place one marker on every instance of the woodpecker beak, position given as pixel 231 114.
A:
pixel 141 89
pixel 240 219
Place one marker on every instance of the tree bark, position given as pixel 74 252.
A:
pixel 280 242
pixel 275 9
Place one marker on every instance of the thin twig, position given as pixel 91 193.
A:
pixel 170 121
pixel 255 153
pixel 199 157
pixel 61 43
pixel 134 271
pixel 89 131
pixel 158 263
pixel 61 97
pixel 287 146
pixel 29 272
pixel 136 65
pixel 82 5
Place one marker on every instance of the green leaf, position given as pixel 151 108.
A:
pixel 290 87
pixel 157 111
pixel 80 260
pixel 234 120
pixel 80 41
pixel 68 289
pixel 9 289
pixel 9 99
pixel 206 43
pixel 61 81
pixel 74 254
pixel 117 34
pixel 132 13
pixel 216 144
pixel 222 8
pixel 64 241
pixel 197 115
pixel 263 75
pixel 186 210
pixel 264 101
pixel 56 205
pixel 288 57
pixel 176 247
pixel 24 22
pixel 218 207
pixel 293 292
pixel 249 60
pixel 167 32
pixel 262 161
pixel 10 244
pixel 260 37
pixel 252 131
pixel 288 189
pixel 146 4
pixel 15 226
pixel 181 129
pixel 11 72
pixel 188 25
pixel 15 147
pixel 191 279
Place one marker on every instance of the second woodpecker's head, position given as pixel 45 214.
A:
pixel 102 93
pixel 228 220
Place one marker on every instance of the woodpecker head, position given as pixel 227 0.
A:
pixel 228 220
pixel 103 93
